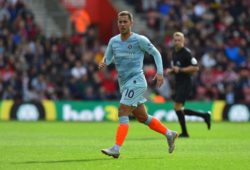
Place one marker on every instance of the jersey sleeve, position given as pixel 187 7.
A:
pixel 148 47
pixel 192 60
pixel 108 56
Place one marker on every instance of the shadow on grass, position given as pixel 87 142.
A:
pixel 144 138
pixel 62 161
pixel 76 160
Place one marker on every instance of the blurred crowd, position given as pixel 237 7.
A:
pixel 217 32
pixel 35 67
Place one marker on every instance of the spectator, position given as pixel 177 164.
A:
pixel 34 67
pixel 78 70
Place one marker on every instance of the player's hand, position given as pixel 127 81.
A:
pixel 102 65
pixel 169 71
pixel 176 69
pixel 159 79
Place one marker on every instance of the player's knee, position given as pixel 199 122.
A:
pixel 123 111
pixel 178 107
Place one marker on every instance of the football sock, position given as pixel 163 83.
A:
pixel 181 117
pixel 156 125
pixel 122 130
pixel 203 115
pixel 194 113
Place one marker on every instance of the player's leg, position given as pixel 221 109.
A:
pixel 153 123
pixel 182 91
pixel 178 107
pixel 141 114
pixel 131 96
pixel 205 115
pixel 121 132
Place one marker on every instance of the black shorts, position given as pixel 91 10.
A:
pixel 182 91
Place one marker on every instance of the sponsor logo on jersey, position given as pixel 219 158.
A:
pixel 194 61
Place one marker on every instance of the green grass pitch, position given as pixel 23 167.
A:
pixel 77 145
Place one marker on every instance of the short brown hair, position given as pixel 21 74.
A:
pixel 126 13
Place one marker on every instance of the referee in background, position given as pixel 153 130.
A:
pixel 183 66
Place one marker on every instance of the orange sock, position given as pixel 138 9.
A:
pixel 121 133
pixel 157 126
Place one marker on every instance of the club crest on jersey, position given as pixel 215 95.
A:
pixel 129 46
pixel 178 63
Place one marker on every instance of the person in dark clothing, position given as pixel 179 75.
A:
pixel 183 65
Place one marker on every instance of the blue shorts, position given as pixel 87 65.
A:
pixel 133 91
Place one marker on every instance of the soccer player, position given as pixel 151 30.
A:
pixel 183 65
pixel 126 50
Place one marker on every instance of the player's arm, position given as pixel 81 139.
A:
pixel 190 69
pixel 170 70
pixel 186 70
pixel 108 57
pixel 148 47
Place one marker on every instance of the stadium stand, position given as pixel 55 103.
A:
pixel 34 66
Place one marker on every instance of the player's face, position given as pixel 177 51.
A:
pixel 124 24
pixel 178 41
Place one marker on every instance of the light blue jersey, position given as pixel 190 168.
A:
pixel 128 58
